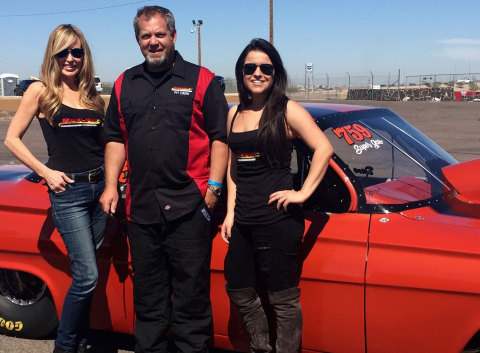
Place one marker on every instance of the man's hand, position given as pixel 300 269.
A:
pixel 114 162
pixel 109 200
pixel 210 200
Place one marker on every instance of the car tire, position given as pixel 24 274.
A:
pixel 26 307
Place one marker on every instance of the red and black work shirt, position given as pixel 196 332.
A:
pixel 167 127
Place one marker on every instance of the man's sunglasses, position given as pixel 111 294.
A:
pixel 249 69
pixel 76 53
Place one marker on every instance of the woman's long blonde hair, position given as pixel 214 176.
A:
pixel 50 99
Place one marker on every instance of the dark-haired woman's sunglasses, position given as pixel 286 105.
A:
pixel 249 69
pixel 76 53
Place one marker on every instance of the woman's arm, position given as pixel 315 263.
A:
pixel 231 185
pixel 20 123
pixel 231 195
pixel 301 124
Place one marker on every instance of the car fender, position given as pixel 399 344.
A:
pixel 56 281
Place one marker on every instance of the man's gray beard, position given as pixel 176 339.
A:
pixel 157 62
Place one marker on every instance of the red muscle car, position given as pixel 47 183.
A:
pixel 390 260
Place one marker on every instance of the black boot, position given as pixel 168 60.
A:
pixel 250 308
pixel 58 350
pixel 288 318
pixel 82 348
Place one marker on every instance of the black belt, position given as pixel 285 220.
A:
pixel 91 177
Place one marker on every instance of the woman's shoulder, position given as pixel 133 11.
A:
pixel 37 85
pixel 294 107
pixel 35 88
pixel 30 96
pixel 296 117
pixel 232 111
pixel 293 104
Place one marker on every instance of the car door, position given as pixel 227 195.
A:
pixel 332 278
pixel 422 290
pixel 332 282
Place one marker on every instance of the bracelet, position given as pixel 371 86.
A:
pixel 215 183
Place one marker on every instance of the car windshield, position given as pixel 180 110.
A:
pixel 393 161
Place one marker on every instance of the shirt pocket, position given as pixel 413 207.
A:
pixel 133 112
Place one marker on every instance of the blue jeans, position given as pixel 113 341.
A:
pixel 81 223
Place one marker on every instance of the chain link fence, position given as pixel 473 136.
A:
pixel 390 86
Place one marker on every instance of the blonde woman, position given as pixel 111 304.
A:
pixel 71 115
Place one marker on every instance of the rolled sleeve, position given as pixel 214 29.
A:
pixel 215 110
pixel 112 129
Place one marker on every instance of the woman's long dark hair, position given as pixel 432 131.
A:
pixel 272 135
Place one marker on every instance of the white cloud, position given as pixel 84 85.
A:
pixel 460 41
pixel 459 52
pixel 459 48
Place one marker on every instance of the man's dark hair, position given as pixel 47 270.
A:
pixel 150 11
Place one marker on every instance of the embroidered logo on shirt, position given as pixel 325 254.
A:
pixel 247 156
pixel 69 122
pixel 182 90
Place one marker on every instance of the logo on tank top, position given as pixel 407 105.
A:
pixel 247 156
pixel 76 122
pixel 185 91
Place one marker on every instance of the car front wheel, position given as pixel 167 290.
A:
pixel 26 307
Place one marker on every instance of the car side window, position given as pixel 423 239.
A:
pixel 386 173
pixel 330 196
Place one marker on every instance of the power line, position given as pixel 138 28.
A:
pixel 72 11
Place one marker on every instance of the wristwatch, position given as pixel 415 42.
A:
pixel 217 190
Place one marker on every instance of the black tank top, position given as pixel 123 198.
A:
pixel 256 180
pixel 74 141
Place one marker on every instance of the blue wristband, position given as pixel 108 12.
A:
pixel 215 183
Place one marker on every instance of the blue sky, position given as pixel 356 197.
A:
pixel 416 37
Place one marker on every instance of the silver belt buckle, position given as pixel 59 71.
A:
pixel 90 176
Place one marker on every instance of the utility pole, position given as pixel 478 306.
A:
pixel 271 22
pixel 198 25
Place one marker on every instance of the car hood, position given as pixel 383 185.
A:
pixel 22 190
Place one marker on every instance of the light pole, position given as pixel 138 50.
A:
pixel 371 73
pixel 271 22
pixel 348 92
pixel 197 25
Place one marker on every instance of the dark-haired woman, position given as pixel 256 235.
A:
pixel 264 223
pixel 71 114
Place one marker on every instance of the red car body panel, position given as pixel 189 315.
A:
pixel 402 190
pixel 443 267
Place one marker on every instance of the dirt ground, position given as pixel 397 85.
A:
pixel 454 126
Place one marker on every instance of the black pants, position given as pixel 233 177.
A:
pixel 269 252
pixel 171 286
